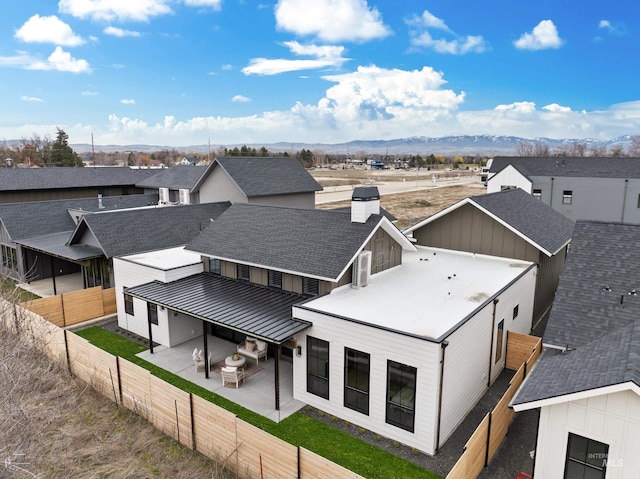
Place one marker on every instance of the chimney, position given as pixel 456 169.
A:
pixel 100 205
pixel 365 201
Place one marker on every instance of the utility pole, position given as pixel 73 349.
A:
pixel 93 151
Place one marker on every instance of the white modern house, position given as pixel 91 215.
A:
pixel 586 384
pixel 399 339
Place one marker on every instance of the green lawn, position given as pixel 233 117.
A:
pixel 11 291
pixel 298 429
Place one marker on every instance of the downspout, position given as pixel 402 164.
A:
pixel 551 197
pixel 533 471
pixel 443 346
pixel 624 199
pixel 53 275
pixel 493 327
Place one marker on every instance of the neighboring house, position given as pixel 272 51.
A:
pixel 45 220
pixel 510 224
pixel 272 181
pixel 43 184
pixel 99 237
pixel 600 189
pixel 364 315
pixel 586 384
pixel 188 161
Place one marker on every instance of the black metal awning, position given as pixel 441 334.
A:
pixel 252 309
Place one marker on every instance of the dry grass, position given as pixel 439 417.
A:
pixel 53 426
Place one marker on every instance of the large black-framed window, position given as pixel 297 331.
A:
pixel 152 312
pixel 318 367
pixel 357 366
pixel 9 257
pixel 586 458
pixel 401 395
pixel 128 304
pixel 243 272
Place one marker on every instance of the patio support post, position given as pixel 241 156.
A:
pixel 206 350
pixel 53 275
pixel 277 378
pixel 150 335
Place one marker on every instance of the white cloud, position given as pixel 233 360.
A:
pixel 115 10
pixel 428 20
pixel 468 44
pixel 612 28
pixel 215 4
pixel 90 93
pixel 241 99
pixel 48 30
pixel 227 67
pixel 331 20
pixel 119 32
pixel 33 99
pixel 554 107
pixel 519 107
pixel 128 101
pixel 325 56
pixel 458 45
pixel 61 61
pixel 543 36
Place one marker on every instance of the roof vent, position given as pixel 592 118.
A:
pixel 185 197
pixel 100 205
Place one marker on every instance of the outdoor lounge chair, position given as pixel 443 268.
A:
pixel 198 360
pixel 232 375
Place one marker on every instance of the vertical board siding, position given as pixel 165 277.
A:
pixel 262 455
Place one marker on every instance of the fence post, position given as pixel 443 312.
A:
pixel 66 350
pixel 486 452
pixel 193 429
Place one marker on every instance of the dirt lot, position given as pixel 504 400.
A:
pixel 410 207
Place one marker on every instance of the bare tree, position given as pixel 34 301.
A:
pixel 598 151
pixel 524 148
pixel 541 149
pixel 634 147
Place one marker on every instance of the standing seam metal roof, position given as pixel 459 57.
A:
pixel 245 307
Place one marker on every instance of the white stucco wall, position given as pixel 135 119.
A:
pixel 613 419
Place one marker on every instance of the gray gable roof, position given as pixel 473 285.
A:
pixel 595 314
pixel 531 217
pixel 592 167
pixel 317 243
pixel 15 179
pixel 613 359
pixel 177 177
pixel 257 176
pixel 134 231
pixel 37 218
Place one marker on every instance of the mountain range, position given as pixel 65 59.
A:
pixel 483 145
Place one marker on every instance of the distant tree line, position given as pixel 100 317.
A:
pixel 42 151
pixel 578 149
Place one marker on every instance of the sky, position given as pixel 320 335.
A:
pixel 224 72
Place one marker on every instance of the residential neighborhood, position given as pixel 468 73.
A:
pixel 278 306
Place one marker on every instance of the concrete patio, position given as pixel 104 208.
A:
pixel 64 284
pixel 256 393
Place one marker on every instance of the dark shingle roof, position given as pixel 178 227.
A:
pixel 128 232
pixel 177 177
pixel 602 255
pixel 613 359
pixel 319 243
pixel 531 217
pixel 248 308
pixel 268 176
pixel 571 166
pixel 26 220
pixel 347 209
pixel 14 179
pixel 595 314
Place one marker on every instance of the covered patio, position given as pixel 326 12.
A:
pixel 231 310
pixel 256 393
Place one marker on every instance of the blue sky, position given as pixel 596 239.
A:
pixel 186 72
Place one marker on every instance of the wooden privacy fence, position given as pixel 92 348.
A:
pixel 522 350
pixel 76 307
pixel 194 422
